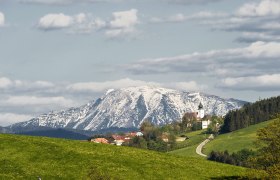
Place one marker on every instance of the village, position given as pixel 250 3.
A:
pixel 160 138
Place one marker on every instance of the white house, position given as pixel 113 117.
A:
pixel 205 124
pixel 139 134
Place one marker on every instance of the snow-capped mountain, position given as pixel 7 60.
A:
pixel 129 107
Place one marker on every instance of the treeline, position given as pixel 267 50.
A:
pixel 250 114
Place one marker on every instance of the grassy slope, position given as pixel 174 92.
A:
pixel 237 140
pixel 24 157
pixel 195 138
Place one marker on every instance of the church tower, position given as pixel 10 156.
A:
pixel 200 112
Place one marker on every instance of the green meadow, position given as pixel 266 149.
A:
pixel 25 157
pixel 195 138
pixel 237 140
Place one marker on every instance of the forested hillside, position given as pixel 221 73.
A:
pixel 250 114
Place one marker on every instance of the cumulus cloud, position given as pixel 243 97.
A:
pixel 264 8
pixel 254 59
pixel 257 21
pixel 80 23
pixel 55 21
pixel 7 119
pixel 123 24
pixel 2 19
pixel 265 82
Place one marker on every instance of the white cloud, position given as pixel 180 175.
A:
pixel 80 23
pixel 257 58
pixel 55 21
pixel 127 82
pixel 257 21
pixel 187 86
pixel 103 86
pixel 7 119
pixel 250 37
pixel 255 83
pixel 179 17
pixel 263 8
pixel 124 19
pixel 2 19
pixel 5 83
pixel 8 84
pixel 37 101
pixel 123 24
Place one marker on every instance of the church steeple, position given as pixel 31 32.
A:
pixel 200 106
pixel 200 112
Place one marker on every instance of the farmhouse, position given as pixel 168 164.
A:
pixel 100 140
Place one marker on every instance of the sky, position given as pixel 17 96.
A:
pixel 56 54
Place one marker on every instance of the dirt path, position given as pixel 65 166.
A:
pixel 200 146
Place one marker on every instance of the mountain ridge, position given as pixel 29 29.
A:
pixel 129 107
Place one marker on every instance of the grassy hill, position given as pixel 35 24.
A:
pixel 237 140
pixel 195 138
pixel 25 157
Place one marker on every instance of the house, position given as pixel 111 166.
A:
pixel 119 140
pixel 131 134
pixel 180 139
pixel 164 137
pixel 139 134
pixel 100 140
pixel 205 124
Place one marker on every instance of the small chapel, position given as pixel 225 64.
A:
pixel 200 115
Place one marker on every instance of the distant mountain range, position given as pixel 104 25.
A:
pixel 129 107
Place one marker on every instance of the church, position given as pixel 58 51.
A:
pixel 200 115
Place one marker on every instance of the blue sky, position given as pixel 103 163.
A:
pixel 55 54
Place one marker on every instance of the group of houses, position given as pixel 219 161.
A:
pixel 117 139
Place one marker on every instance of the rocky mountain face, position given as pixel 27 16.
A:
pixel 129 107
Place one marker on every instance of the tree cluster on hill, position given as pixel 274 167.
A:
pixel 268 156
pixel 239 159
pixel 250 114
pixel 155 138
